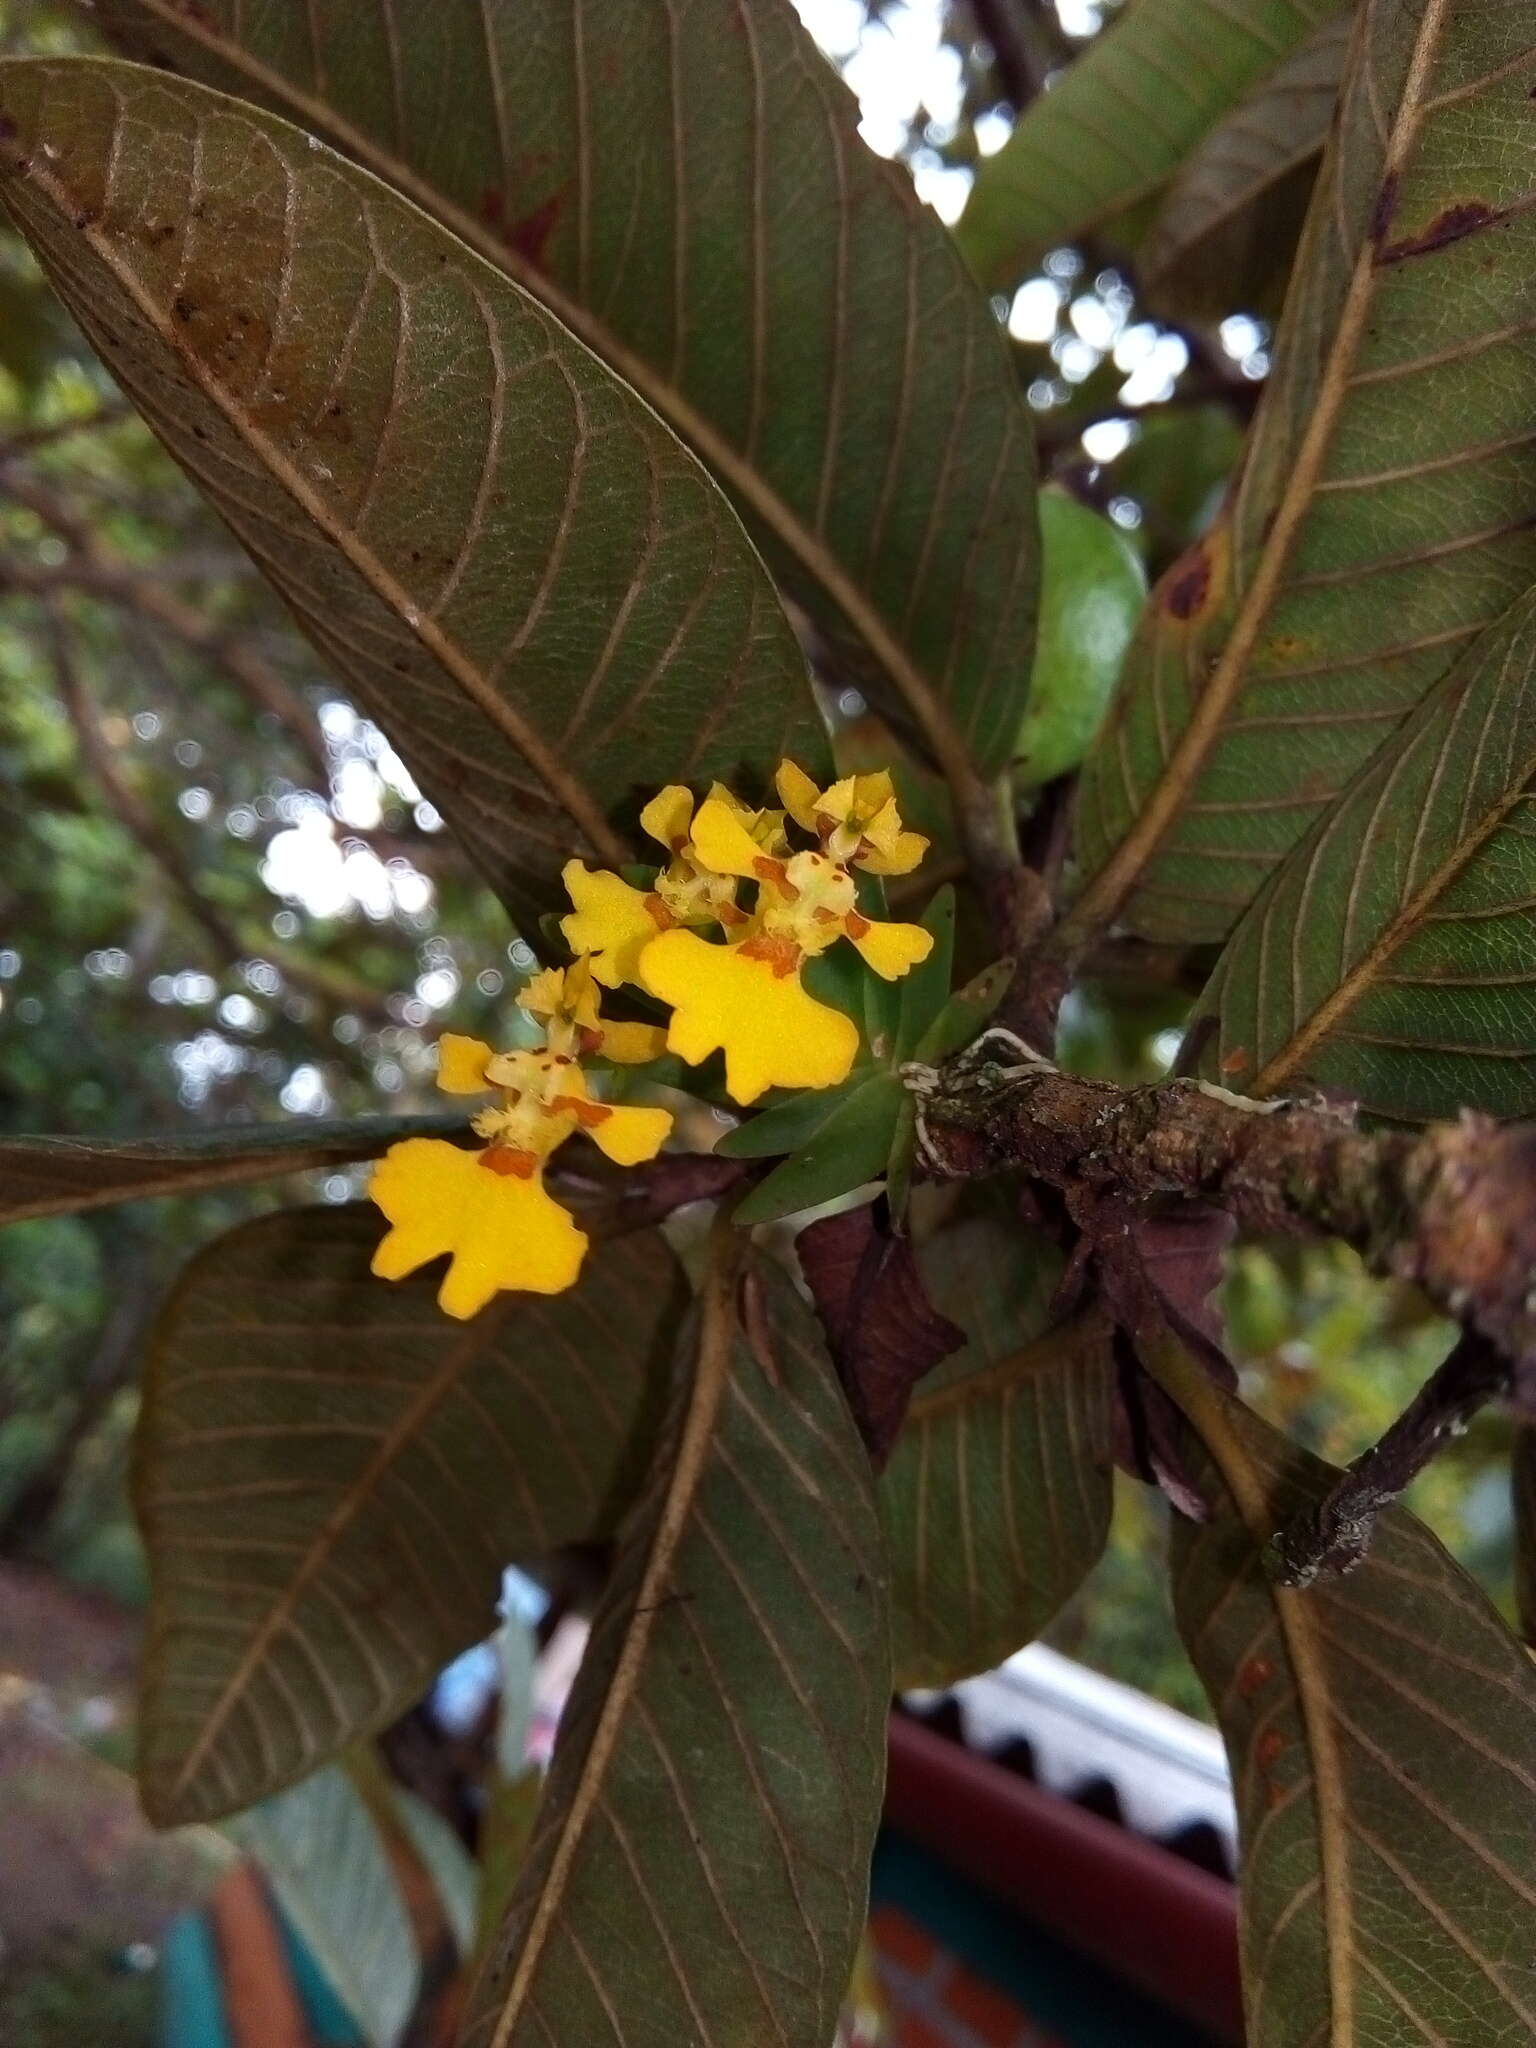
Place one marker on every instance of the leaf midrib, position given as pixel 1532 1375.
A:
pixel 1186 1381
pixel 574 798
pixel 693 427
pixel 1348 992
pixel 710 1378
pixel 1107 893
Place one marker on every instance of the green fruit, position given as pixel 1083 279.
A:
pixel 1092 590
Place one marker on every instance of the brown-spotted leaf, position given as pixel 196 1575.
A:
pixel 331 1476
pixel 997 1496
pixel 700 1862
pixel 59 1176
pixel 685 188
pixel 517 568
pixel 1383 517
pixel 1390 958
pixel 1380 1732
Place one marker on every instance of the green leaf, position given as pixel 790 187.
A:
pixel 850 1148
pixel 925 988
pixel 684 187
pixel 1093 591
pixel 1379 1729
pixel 1382 518
pixel 786 1126
pixel 1390 959
pixel 58 1176
pixel 512 563
pixel 997 1497
pixel 1121 121
pixel 1225 232
pixel 324 1856
pixel 331 1476
pixel 901 1163
pixel 964 1014
pixel 702 1855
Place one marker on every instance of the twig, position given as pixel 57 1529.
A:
pixel 1335 1535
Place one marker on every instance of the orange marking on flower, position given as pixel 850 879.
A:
pixel 587 1113
pixel 588 1039
pixel 662 917
pixel 856 925
pixel 507 1159
pixel 782 955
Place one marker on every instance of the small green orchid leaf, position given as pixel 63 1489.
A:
pixel 926 989
pixel 838 977
pixel 851 1147
pixel 898 1168
pixel 788 1125
pixel 965 1013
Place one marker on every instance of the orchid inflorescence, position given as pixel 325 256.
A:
pixel 728 965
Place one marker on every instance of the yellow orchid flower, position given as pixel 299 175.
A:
pixel 746 1001
pixel 746 998
pixel 565 1001
pixel 614 922
pixel 856 820
pixel 489 1211
pixel 809 900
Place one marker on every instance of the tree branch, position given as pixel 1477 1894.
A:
pixel 1448 1207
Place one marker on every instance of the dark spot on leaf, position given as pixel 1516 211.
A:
pixel 1254 1675
pixel 183 308
pixel 1188 584
pixel 529 236
pixel 1385 207
pixel 1453 224
pixel 332 424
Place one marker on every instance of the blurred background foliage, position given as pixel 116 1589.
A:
pixel 222 898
